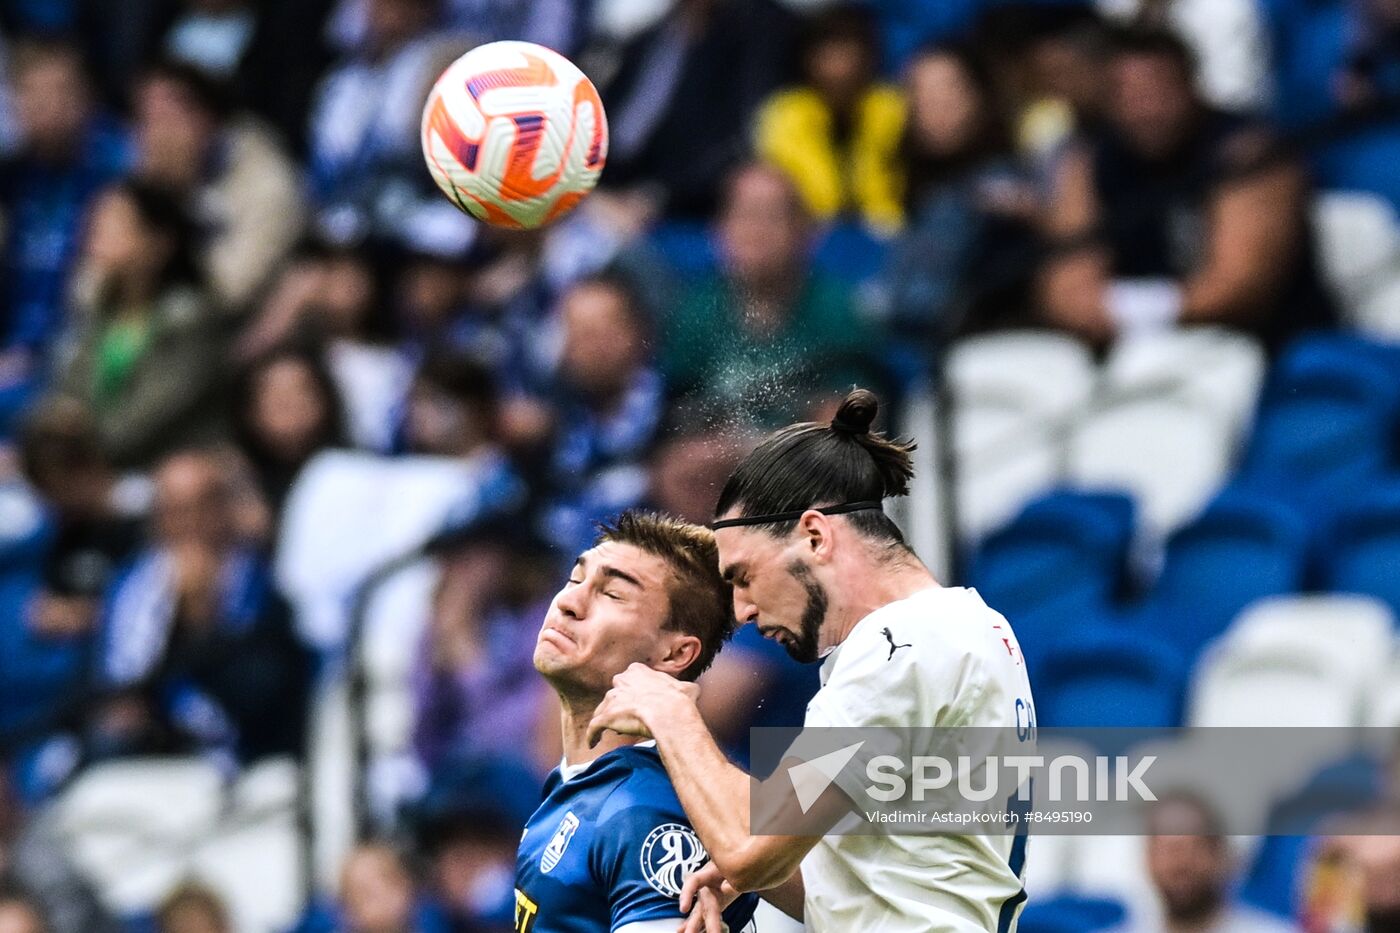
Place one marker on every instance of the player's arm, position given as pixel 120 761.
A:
pixel 714 793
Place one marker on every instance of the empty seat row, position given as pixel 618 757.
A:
pixel 1161 419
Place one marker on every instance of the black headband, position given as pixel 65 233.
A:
pixel 790 516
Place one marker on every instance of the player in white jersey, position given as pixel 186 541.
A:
pixel 817 566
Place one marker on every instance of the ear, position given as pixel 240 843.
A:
pixel 816 531
pixel 679 651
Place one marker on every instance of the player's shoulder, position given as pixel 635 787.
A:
pixel 637 780
pixel 922 627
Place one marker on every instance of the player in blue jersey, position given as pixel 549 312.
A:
pixel 610 847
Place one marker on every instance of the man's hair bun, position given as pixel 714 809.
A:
pixel 857 412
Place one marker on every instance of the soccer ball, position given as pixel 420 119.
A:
pixel 514 134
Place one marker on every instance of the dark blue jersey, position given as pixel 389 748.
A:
pixel 608 848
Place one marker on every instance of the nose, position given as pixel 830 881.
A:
pixel 571 601
pixel 744 609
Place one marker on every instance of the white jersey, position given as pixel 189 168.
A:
pixel 942 658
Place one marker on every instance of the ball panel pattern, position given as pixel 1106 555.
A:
pixel 514 134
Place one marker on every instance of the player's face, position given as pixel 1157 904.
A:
pixel 774 588
pixel 608 615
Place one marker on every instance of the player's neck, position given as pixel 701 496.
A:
pixel 574 716
pixel 873 586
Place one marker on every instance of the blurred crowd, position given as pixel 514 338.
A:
pixel 234 310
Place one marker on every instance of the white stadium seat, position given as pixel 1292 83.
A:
pixel 1167 420
pixel 1245 679
pixel 1170 454
pixel 1113 867
pixel 1359 244
pixel 1273 684
pixel 135 829
pixel 1356 633
pixel 1383 703
pixel 257 869
pixel 325 550
pixel 1210 367
pixel 1026 371
pixel 1014 395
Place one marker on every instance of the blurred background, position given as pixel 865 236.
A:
pixel 293 454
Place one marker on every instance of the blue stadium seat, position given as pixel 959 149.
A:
pixel 1109 676
pixel 1272 882
pixel 1057 543
pixel 1362 548
pixel 1363 160
pixel 1078 606
pixel 1244 546
pixel 1068 914
pixel 1308 41
pixel 1329 411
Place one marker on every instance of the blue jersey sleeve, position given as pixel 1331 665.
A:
pixel 643 861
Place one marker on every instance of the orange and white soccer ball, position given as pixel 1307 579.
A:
pixel 514 134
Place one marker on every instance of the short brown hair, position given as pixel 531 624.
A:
pixel 701 602
pixel 196 897
pixel 57 437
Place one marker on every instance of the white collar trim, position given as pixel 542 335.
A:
pixel 568 772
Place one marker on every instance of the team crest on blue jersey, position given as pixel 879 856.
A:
pixel 555 850
pixel 670 854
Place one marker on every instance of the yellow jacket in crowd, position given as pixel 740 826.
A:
pixel 795 132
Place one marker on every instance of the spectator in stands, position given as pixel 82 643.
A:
pixel 197 644
pixel 556 24
pixel 607 400
pixel 337 294
pixel 192 908
pixel 689 467
pixel 1370 72
pixel 468 827
pixel 21 914
pixel 288 409
pixel 476 690
pixel 1048 61
pixel 1191 867
pixel 239 184
pixel 145 354
pixel 96 520
pixel 430 299
pixel 837 134
pixel 1353 881
pixel 68 152
pixel 378 894
pixel 1177 214
pixel 966 258
pixel 684 94
pixel 1229 38
pixel 452 410
pixel 364 122
pixel 769 327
